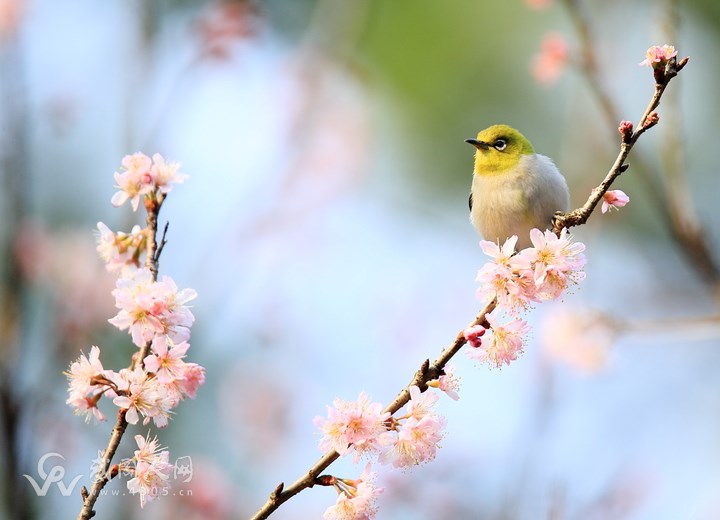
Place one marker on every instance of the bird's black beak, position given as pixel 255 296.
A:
pixel 480 145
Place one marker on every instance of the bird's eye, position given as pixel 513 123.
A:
pixel 500 145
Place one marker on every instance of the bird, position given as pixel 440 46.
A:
pixel 513 189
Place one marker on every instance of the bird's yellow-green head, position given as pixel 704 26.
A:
pixel 499 148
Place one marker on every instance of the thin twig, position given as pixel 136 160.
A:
pixel 649 119
pixel 669 194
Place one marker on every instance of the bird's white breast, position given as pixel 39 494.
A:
pixel 514 202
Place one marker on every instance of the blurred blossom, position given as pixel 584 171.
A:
pixel 261 424
pixel 580 339
pixel 209 496
pixel 227 24
pixel 551 61
pixel 326 147
pixel 65 264
pixel 538 5
pixel 11 12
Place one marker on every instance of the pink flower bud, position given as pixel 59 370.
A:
pixel 473 335
pixel 626 131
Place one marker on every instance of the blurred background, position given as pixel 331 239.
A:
pixel 325 228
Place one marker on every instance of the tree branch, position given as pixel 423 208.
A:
pixel 649 119
pixel 427 372
pixel 104 475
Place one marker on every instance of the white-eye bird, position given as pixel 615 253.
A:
pixel 514 189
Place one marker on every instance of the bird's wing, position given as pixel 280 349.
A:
pixel 470 201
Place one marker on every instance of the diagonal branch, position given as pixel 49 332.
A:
pixel 427 372
pixel 649 119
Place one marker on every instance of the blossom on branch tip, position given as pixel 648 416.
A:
pixel 150 470
pixel 352 425
pixel 135 181
pixel 614 199
pixel 657 56
pixel 165 174
pixel 143 176
pixel 356 498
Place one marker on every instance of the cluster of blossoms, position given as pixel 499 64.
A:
pixel 363 428
pixel 149 468
pixel 155 314
pixel 145 177
pixel 517 280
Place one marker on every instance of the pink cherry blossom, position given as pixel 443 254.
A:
pixel 83 371
pixel 167 363
pixel 192 378
pixel 614 199
pixel 149 308
pixel 657 56
pixel 413 442
pixel 505 278
pixel 135 181
pixel 86 407
pixel 421 403
pixel 356 498
pixel 549 64
pixel 538 5
pixel 165 174
pixel 555 262
pixel 120 250
pixel 84 391
pixel 144 176
pixel 142 395
pixel 504 343
pixel 414 436
pixel 178 315
pixel 448 382
pixel 579 338
pixel 352 425
pixel 150 470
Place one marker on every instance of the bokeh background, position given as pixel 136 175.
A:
pixel 325 229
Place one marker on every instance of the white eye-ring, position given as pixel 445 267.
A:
pixel 500 145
